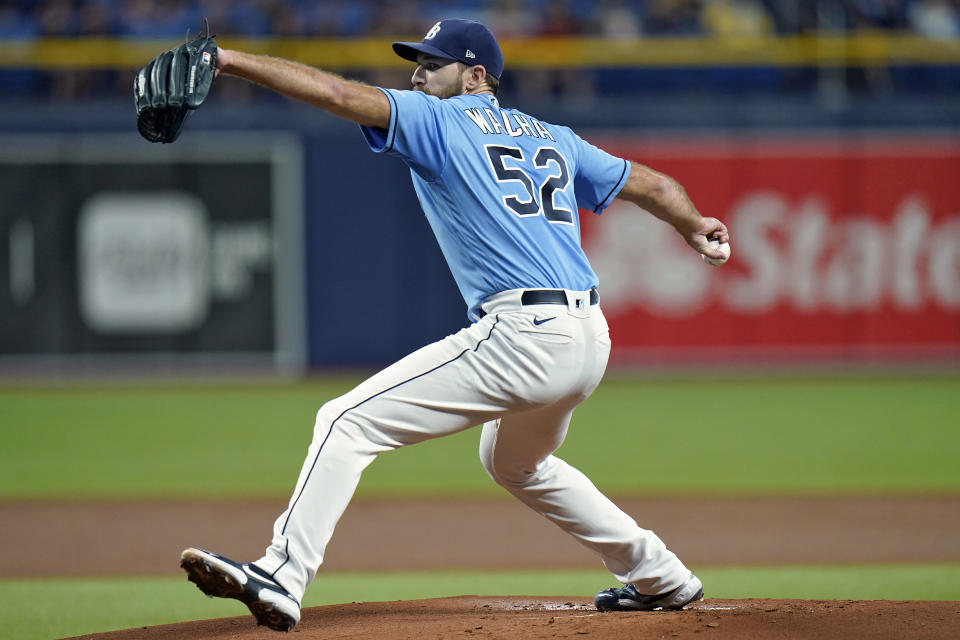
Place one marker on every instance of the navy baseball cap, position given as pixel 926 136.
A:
pixel 466 41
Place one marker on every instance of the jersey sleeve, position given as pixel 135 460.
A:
pixel 416 133
pixel 600 177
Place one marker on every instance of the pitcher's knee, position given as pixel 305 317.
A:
pixel 336 413
pixel 327 414
pixel 505 474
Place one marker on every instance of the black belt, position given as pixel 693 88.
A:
pixel 548 296
pixel 552 296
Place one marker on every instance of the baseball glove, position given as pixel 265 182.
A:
pixel 172 85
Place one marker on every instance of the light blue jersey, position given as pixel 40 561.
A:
pixel 500 190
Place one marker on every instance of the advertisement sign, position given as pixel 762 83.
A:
pixel 182 254
pixel 842 249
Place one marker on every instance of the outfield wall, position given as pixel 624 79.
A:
pixel 294 246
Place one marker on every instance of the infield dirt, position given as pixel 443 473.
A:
pixel 527 618
pixel 144 538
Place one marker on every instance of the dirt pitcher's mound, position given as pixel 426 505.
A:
pixel 519 618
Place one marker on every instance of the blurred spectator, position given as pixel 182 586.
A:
pixel 617 19
pixel 56 18
pixel 558 19
pixel 17 23
pixel 935 19
pixel 354 18
pixel 171 20
pixel 158 18
pixel 574 84
pixel 673 17
pixel 257 18
pixel 804 15
pixel 397 18
pixel 96 18
pixel 511 19
pixel 736 18
pixel 877 14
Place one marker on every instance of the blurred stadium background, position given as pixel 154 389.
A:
pixel 823 132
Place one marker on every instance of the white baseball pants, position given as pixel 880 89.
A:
pixel 520 371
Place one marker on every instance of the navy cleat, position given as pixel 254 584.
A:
pixel 221 577
pixel 627 598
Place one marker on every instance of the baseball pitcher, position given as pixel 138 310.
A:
pixel 501 190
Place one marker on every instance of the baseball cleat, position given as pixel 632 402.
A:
pixel 627 598
pixel 221 577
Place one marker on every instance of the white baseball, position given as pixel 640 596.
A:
pixel 724 249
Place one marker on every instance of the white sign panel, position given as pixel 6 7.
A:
pixel 143 262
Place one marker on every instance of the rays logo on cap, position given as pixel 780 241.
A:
pixel 465 41
pixel 434 30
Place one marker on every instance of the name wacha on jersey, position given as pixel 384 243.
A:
pixel 513 125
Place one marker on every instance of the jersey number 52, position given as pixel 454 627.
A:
pixel 539 199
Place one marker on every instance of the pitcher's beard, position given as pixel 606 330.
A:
pixel 455 88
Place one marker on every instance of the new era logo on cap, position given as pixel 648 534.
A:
pixel 466 41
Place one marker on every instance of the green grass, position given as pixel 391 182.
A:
pixel 634 436
pixel 81 609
